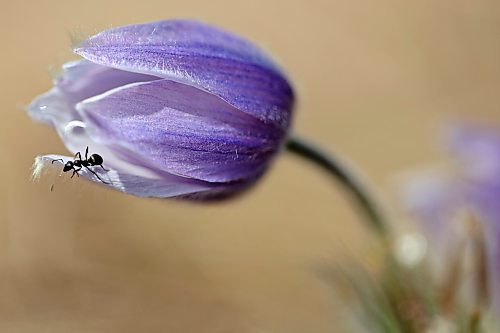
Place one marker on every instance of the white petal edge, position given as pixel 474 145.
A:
pixel 165 187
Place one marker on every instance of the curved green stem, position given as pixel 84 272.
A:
pixel 346 178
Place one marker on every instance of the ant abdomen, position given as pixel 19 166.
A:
pixel 95 159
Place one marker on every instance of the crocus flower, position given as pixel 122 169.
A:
pixel 473 186
pixel 174 108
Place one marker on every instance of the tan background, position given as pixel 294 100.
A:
pixel 373 78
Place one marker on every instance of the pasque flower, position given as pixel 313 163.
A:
pixel 471 187
pixel 175 108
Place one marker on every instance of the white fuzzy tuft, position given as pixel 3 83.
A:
pixel 37 168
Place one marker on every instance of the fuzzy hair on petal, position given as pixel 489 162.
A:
pixel 37 168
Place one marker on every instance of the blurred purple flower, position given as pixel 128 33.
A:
pixel 473 185
pixel 175 108
pixel 477 150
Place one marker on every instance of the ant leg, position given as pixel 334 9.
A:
pixel 75 172
pixel 59 159
pixel 103 168
pixel 95 174
pixel 86 153
pixel 78 155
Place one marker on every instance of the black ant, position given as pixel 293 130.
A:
pixel 93 160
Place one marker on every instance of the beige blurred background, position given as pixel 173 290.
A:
pixel 374 78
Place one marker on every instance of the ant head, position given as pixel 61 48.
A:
pixel 68 166
pixel 95 159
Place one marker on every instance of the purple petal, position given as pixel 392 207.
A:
pixel 164 187
pixel 80 80
pixel 182 130
pixel 52 108
pixel 477 148
pixel 200 55
pixel 83 79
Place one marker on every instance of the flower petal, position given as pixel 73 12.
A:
pixel 76 139
pixel 82 79
pixel 165 187
pixel 52 108
pixel 182 130
pixel 201 55
pixel 477 149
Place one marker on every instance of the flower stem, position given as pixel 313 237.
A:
pixel 346 178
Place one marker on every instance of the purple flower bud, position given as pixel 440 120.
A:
pixel 174 108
